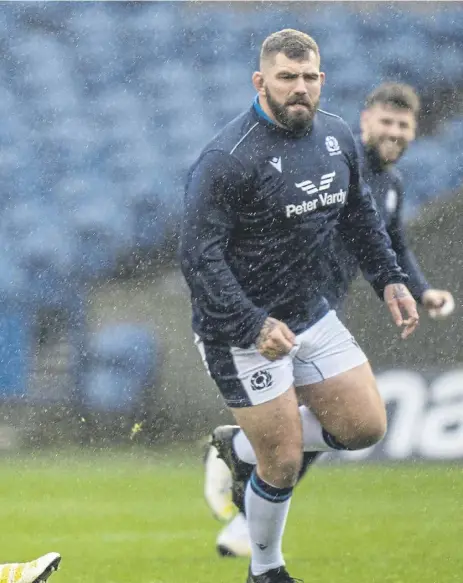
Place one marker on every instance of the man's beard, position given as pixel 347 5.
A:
pixel 297 122
pixel 375 145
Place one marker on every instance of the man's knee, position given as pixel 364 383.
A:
pixel 358 418
pixel 281 466
pixel 367 432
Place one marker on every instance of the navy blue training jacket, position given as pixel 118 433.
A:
pixel 260 204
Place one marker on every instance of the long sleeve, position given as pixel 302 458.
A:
pixel 365 234
pixel 417 283
pixel 210 218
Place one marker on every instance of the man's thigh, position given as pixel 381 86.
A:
pixel 347 403
pixel 335 380
pixel 260 394
pixel 274 428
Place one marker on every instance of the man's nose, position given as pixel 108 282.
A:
pixel 300 87
pixel 394 132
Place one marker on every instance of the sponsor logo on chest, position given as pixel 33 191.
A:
pixel 322 200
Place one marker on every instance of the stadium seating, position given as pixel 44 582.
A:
pixel 119 88
pixel 123 361
pixel 13 278
pixel 105 105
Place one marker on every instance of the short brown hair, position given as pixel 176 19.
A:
pixel 294 44
pixel 398 95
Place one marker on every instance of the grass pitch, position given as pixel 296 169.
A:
pixel 140 516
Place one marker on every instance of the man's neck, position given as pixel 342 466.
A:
pixel 264 110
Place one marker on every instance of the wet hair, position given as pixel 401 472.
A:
pixel 399 95
pixel 294 44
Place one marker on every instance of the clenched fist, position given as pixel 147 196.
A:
pixel 275 339
pixel 439 303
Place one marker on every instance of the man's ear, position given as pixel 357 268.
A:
pixel 258 82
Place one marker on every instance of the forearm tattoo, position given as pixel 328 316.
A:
pixel 400 291
pixel 267 328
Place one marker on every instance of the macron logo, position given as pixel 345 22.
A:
pixel 325 182
pixel 276 163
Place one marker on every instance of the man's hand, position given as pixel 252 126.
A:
pixel 398 300
pixel 275 339
pixel 439 303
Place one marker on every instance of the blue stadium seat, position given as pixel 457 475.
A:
pixel 452 136
pixel 41 248
pixel 8 102
pixel 22 219
pixel 15 324
pixel 450 68
pixel 111 390
pixel 155 217
pixel 80 188
pixel 15 349
pixel 19 173
pixel 5 23
pixel 41 60
pixel 153 22
pixel 91 23
pixel 59 103
pixel 98 62
pixel 104 233
pixel 127 345
pixel 123 361
pixel 13 278
pixel 442 26
pixel 12 130
pixel 48 246
pixel 114 106
pixel 129 160
pixel 48 15
pixel 349 80
pixel 72 147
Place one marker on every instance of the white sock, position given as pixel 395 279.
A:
pixel 244 449
pixel 266 512
pixel 312 434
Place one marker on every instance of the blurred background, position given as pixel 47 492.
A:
pixel 103 107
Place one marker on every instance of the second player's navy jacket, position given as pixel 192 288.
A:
pixel 341 266
pixel 259 205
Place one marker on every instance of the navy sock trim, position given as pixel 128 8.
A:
pixel 332 441
pixel 268 492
